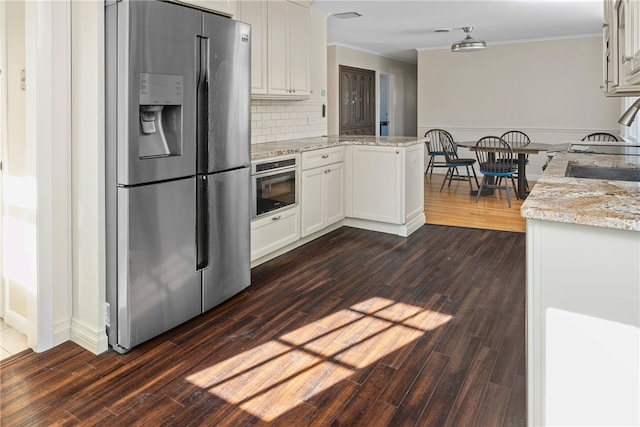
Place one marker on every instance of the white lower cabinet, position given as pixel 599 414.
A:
pixel 275 231
pixel 376 183
pixel 373 187
pixel 322 197
pixel 583 325
pixel 334 193
pixel 384 184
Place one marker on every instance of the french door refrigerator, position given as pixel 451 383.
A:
pixel 177 165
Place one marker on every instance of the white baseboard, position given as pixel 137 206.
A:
pixel 383 227
pixel 17 322
pixel 61 332
pixel 92 339
pixel 412 225
pixel 402 230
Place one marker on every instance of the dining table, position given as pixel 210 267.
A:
pixel 522 152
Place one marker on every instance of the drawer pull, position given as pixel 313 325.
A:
pixel 325 156
pixel 275 218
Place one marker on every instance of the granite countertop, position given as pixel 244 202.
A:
pixel 596 202
pixel 265 150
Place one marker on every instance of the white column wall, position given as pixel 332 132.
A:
pixel 18 177
pixel 47 42
pixel 89 285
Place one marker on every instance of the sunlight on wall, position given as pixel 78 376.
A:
pixel 19 241
pixel 311 359
pixel 19 192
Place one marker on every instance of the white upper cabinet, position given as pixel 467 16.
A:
pixel 317 55
pixel 279 49
pixel 621 48
pixel 255 13
pixel 278 46
pixel 223 7
pixel 298 49
pixel 631 58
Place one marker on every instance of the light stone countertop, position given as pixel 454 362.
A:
pixel 600 203
pixel 265 150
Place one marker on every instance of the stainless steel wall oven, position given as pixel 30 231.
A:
pixel 273 185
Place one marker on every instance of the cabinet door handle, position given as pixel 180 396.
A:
pixel 325 156
pixel 397 151
pixel 275 218
pixel 626 59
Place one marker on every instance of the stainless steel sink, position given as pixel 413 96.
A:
pixel 604 173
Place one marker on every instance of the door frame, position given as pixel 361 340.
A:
pixel 3 144
pixel 391 102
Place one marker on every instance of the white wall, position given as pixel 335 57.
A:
pixel 47 63
pixel 89 283
pixel 19 214
pixel 405 86
pixel 548 89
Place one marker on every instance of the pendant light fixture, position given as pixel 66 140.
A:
pixel 469 44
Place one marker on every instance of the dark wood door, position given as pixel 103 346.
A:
pixel 357 101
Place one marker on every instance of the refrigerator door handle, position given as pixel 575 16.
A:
pixel 202 105
pixel 202 223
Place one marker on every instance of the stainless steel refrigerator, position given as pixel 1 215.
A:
pixel 177 165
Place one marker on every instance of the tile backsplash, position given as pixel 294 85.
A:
pixel 275 120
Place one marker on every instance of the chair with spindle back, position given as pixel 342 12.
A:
pixel 516 138
pixel 453 162
pixel 496 160
pixel 601 137
pixel 435 150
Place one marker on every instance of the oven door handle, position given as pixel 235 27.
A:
pixel 273 172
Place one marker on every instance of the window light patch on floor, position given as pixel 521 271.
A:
pixel 303 363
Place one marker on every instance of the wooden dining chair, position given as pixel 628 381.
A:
pixel 496 160
pixel 435 150
pixel 516 138
pixel 601 137
pixel 453 162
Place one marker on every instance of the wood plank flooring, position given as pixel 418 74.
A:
pixel 355 328
pixel 455 206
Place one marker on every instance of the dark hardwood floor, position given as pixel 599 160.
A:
pixel 355 328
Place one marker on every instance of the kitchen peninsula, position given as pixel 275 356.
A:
pixel 583 295
pixel 369 182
